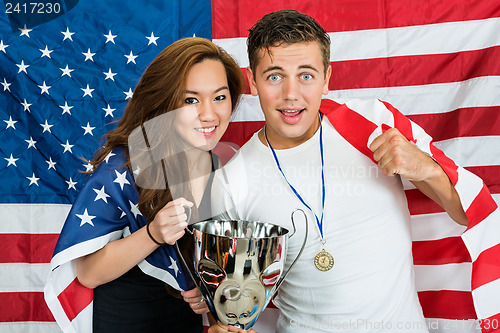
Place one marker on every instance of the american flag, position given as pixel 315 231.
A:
pixel 64 82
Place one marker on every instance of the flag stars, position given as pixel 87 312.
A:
pixel 6 85
pixel 46 52
pixel 52 164
pixel 110 75
pixel 26 105
pixel 111 154
pixel 10 123
pixel 89 55
pixel 134 209
pixel 11 160
pixel 3 46
pixel 67 147
pixel 173 266
pixel 109 111
pixel 152 39
pixel 131 57
pixel 22 67
pixel 66 108
pixel 66 71
pixel 101 195
pixel 44 89
pixel 121 179
pixel 46 127
pixel 128 94
pixel 88 167
pixel 67 34
pixel 88 129
pixel 31 143
pixel 110 37
pixel 33 180
pixel 87 91
pixel 85 218
pixel 71 184
pixel 25 31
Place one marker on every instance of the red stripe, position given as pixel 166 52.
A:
pixel 447 304
pixel 241 131
pixel 419 203
pixel 449 250
pixel 490 174
pixel 446 163
pixel 486 268
pixel 27 248
pixel 401 122
pixel 482 206
pixel 75 298
pixel 491 324
pixel 24 306
pixel 415 69
pixel 476 121
pixel 233 18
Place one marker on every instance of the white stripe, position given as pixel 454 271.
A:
pixel 485 301
pixel 22 277
pixel 436 325
pixel 483 235
pixel 472 151
pixel 468 187
pixel 33 218
pixel 29 327
pixel 449 37
pixel 434 226
pixel 443 277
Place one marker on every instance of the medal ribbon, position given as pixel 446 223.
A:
pixel 319 222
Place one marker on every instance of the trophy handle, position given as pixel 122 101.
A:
pixel 278 284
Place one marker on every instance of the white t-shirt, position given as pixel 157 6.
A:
pixel 366 228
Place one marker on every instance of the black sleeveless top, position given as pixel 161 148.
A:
pixel 138 303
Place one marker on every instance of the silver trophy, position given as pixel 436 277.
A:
pixel 239 266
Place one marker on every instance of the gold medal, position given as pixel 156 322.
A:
pixel 323 261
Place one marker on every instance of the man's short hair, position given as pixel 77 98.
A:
pixel 286 27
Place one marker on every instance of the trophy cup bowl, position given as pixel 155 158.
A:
pixel 239 266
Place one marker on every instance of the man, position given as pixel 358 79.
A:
pixel 355 274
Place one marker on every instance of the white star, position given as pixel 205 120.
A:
pixel 109 75
pixel 66 71
pixel 46 127
pixel 11 160
pixel 88 129
pixel 152 39
pixel 22 67
pixel 134 209
pixel 31 143
pixel 131 57
pixel 5 84
pixel 3 46
pixel 121 179
pixel 128 94
pixel 109 111
pixel 46 52
pixel 123 213
pixel 88 167
pixel 44 88
pixel 67 34
pixel 86 218
pixel 71 184
pixel 101 194
pixel 26 105
pixel 111 154
pixel 87 91
pixel 10 123
pixel 173 266
pixel 88 55
pixel 67 147
pixel 52 164
pixel 66 108
pixel 25 31
pixel 110 37
pixel 33 180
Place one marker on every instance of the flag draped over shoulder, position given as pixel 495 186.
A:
pixel 66 74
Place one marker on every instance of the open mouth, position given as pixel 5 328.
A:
pixel 291 113
pixel 206 130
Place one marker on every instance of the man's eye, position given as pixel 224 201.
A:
pixel 190 100
pixel 220 98
pixel 307 77
pixel 274 77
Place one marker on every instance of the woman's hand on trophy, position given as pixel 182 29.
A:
pixel 195 301
pixel 219 328
pixel 170 222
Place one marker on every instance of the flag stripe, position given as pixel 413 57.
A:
pixel 24 306
pixel 440 251
pixel 239 16
pixel 23 277
pixel 436 226
pixel 447 304
pixel 489 258
pixel 31 248
pixel 32 218
pixel 441 277
pixel 75 298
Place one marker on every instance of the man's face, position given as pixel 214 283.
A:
pixel 290 83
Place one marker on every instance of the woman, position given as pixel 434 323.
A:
pixel 135 215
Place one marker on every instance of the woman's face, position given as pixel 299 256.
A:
pixel 206 107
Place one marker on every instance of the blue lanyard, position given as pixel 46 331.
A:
pixel 319 222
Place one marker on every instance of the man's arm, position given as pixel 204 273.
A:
pixel 397 156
